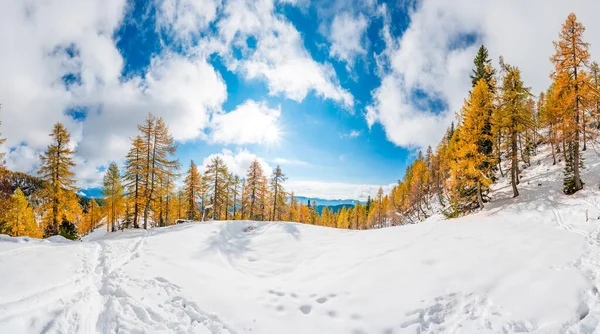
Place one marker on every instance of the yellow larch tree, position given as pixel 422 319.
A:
pixel 56 170
pixel 571 60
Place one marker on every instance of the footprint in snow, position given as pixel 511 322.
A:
pixel 322 300
pixel 305 309
pixel 277 293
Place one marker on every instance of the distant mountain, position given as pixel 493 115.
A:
pixel 10 181
pixel 327 202
pixel 332 204
pixel 334 208
pixel 91 192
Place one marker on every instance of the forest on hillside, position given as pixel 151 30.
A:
pixel 498 130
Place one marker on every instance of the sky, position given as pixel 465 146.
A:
pixel 341 94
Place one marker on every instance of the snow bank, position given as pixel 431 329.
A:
pixel 525 264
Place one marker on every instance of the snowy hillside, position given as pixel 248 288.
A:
pixel 525 264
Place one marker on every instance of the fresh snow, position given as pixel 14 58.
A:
pixel 530 263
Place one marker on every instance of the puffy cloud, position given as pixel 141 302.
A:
pixel 433 57
pixel 283 161
pixel 279 56
pixel 237 162
pixel 71 39
pixel 335 190
pixel 186 18
pixel 346 37
pixel 250 122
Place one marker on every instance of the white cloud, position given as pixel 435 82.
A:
pixel 352 134
pixel 23 158
pixel 346 37
pixel 283 161
pixel 279 56
pixel 55 38
pixel 186 18
pixel 429 58
pixel 237 162
pixel 335 190
pixel 249 123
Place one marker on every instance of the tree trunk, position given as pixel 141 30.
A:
pixel 515 164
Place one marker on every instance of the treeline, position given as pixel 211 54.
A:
pixel 499 129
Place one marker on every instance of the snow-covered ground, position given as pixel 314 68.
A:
pixel 525 264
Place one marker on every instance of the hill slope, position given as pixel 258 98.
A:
pixel 526 264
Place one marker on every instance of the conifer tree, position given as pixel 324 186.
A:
pixel 92 218
pixel 595 95
pixel 472 166
pixel 293 213
pixel 113 192
pixel 158 147
pixel 216 178
pixel 254 178
pixel 20 217
pixel 133 176
pixel 483 69
pixel 514 116
pixel 56 165
pixel 192 187
pixel 571 60
pixel 277 180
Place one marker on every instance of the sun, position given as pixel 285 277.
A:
pixel 273 135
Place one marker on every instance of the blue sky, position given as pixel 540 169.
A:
pixel 341 94
pixel 325 141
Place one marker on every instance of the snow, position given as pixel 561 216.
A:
pixel 530 263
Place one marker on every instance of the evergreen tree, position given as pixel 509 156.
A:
pixel 472 166
pixel 67 229
pixel 483 69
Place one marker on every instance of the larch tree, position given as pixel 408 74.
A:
pixel 595 96
pixel 254 179
pixel 157 164
pixel 133 176
pixel 113 193
pixel 216 179
pixel 192 187
pixel 56 170
pixel 235 194
pixel 293 213
pixel 471 168
pixel 20 217
pixel 515 117
pixel 571 60
pixel 279 196
pixel 484 71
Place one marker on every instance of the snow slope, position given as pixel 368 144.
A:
pixel 525 264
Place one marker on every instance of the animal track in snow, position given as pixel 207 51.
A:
pixel 321 300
